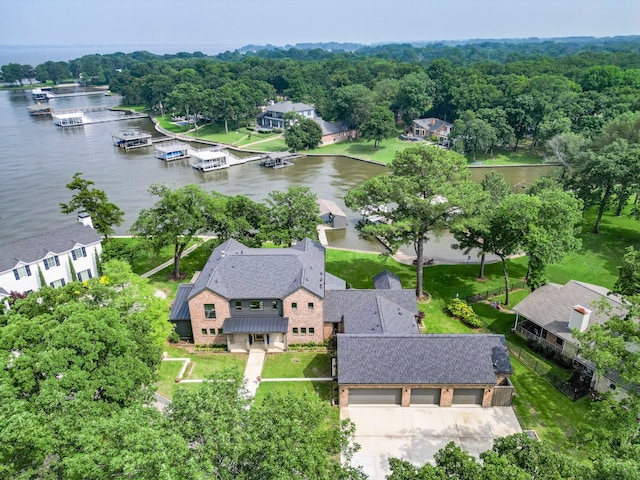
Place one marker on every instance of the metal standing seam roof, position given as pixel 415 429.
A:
pixel 38 247
pixel 180 307
pixel 550 306
pixel 256 324
pixel 422 359
pixel 235 271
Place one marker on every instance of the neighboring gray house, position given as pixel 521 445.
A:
pixel 273 115
pixel 332 132
pixel 331 213
pixel 53 254
pixel 550 313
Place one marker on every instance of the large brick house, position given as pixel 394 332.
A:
pixel 50 259
pixel 250 298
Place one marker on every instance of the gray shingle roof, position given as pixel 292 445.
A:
pixel 330 128
pixel 180 307
pixel 235 271
pixel 255 325
pixel 329 206
pixel 372 311
pixel 387 280
pixel 432 124
pixel 422 359
pixel 550 306
pixel 38 247
pixel 334 283
pixel 287 106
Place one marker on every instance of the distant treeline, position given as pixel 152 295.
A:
pixel 536 88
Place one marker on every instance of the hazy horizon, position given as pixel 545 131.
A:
pixel 281 22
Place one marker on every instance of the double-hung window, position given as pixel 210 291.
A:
pixel 22 272
pixel 58 283
pixel 79 253
pixel 85 275
pixel 51 262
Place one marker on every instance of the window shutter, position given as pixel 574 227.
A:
pixel 89 273
pixel 15 272
pixel 73 254
pixel 26 267
pixel 46 264
pixel 63 282
pixel 84 252
pixel 57 261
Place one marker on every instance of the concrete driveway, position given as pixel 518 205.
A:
pixel 416 433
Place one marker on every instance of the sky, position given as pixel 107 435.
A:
pixel 231 24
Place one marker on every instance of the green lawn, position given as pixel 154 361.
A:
pixel 202 366
pixel 540 407
pixel 167 124
pixel 296 365
pixel 523 156
pixel 237 137
pixel 296 388
pixel 363 149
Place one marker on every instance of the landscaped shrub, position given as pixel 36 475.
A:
pixel 459 309
pixel 174 337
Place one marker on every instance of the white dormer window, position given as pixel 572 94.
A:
pixel 51 262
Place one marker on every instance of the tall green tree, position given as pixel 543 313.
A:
pixel 471 234
pixel 177 218
pixel 414 95
pixel 353 104
pixel 303 134
pixel 104 214
pixel 431 189
pixel 379 126
pixel 291 216
pixel 628 282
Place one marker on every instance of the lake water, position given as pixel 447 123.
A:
pixel 37 160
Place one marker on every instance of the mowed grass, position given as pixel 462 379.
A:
pixel 296 365
pixel 298 389
pixel 201 366
pixel 237 136
pixel 540 407
pixel 522 156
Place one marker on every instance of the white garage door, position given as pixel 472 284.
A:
pixel 375 396
pixel 468 396
pixel 425 396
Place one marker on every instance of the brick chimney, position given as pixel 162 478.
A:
pixel 85 219
pixel 579 318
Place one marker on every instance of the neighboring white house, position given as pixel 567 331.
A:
pixel 273 115
pixel 53 254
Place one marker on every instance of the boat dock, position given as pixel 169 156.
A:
pixel 171 150
pixel 77 117
pixel 278 159
pixel 217 158
pixel 40 109
pixel 128 139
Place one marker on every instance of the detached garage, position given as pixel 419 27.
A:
pixel 417 369
pixel 375 396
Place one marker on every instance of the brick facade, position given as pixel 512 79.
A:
pixel 303 317
pixel 199 322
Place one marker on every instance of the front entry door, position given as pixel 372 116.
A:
pixel 259 337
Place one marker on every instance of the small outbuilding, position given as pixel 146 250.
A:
pixel 332 214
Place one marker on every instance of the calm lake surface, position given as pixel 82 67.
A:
pixel 37 160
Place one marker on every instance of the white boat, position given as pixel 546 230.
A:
pixel 40 95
